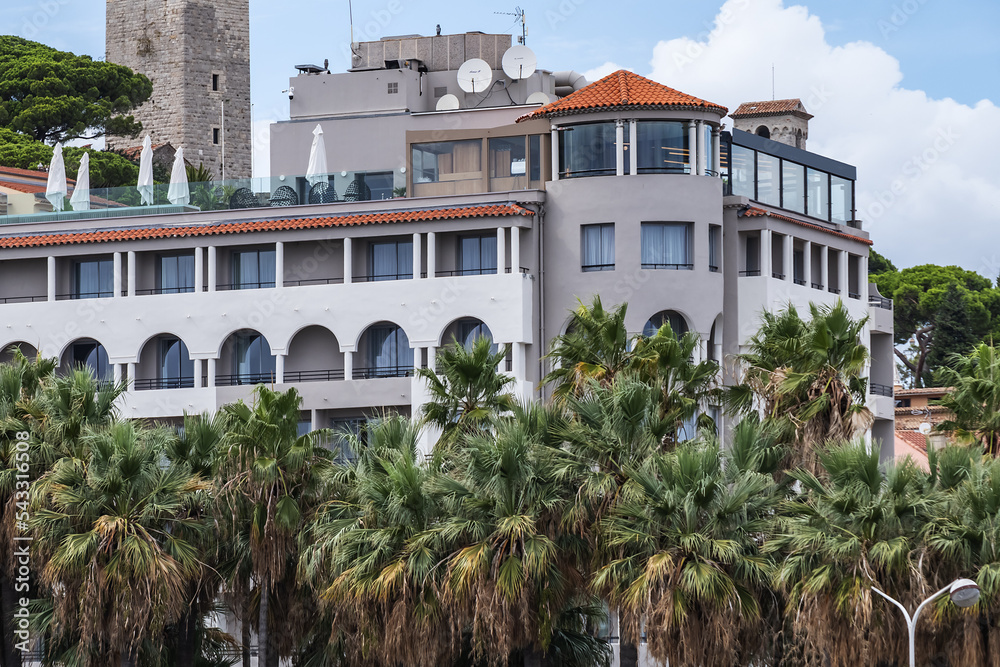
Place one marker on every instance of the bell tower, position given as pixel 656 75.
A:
pixel 197 54
pixel 781 120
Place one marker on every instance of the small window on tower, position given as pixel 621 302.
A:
pixel 215 82
pixel 393 88
pixel 215 135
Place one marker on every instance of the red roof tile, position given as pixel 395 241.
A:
pixel 24 172
pixel 914 439
pixel 23 187
pixel 770 107
pixel 623 90
pixel 140 233
pixel 753 212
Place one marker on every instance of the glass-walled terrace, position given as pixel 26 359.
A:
pixel 786 183
pixel 265 192
pixel 470 166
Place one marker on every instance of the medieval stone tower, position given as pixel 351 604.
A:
pixel 786 121
pixel 197 54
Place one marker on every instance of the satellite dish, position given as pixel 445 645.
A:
pixel 475 75
pixel 519 62
pixel 925 428
pixel 448 103
pixel 537 98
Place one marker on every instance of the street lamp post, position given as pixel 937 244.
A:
pixel 963 593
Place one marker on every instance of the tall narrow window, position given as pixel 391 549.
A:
pixel 389 352
pixel 215 82
pixel 818 194
pixel 666 245
pixel 799 266
pixel 793 187
pixel 752 259
pixel 477 255
pixel 714 248
pixel 176 366
pixel 253 360
pixel 744 172
pixel 253 269
pixel 93 279
pixel 841 199
pixel 216 133
pixel 92 355
pixel 390 260
pixel 768 179
pixel 598 247
pixel 176 274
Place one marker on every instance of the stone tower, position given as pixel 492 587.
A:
pixel 197 54
pixel 781 120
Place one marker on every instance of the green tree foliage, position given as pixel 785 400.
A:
pixel 107 169
pixel 952 329
pixel 53 95
pixel 878 264
pixel 975 400
pixel 918 295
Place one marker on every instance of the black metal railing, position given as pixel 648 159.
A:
pixel 676 267
pixel 714 268
pixel 521 269
pixel 73 296
pixel 798 281
pixel 313 281
pixel 816 286
pixel 380 277
pixel 313 375
pixel 487 271
pixel 161 290
pixel 23 299
pixel 879 302
pixel 244 379
pixel 880 389
pixel 854 295
pixel 833 290
pixel 751 273
pixel 375 372
pixel 597 267
pixel 267 284
pixel 163 383
pixel 779 276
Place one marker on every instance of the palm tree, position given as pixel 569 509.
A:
pixel 853 527
pixel 466 390
pixel 975 399
pixel 806 376
pixel 685 555
pixel 20 380
pixel 270 482
pixel 594 347
pixel 108 534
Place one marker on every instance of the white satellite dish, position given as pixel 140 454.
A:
pixel 519 62
pixel 448 102
pixel 538 98
pixel 475 75
pixel 925 428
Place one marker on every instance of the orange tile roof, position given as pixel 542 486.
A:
pixel 141 233
pixel 23 187
pixel 623 90
pixel 914 439
pixel 24 172
pixel 769 107
pixel 923 391
pixel 753 212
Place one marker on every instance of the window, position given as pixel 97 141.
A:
pixel 597 252
pixel 176 274
pixel 216 135
pixel 253 269
pixel 390 260
pixel 818 194
pixel 666 245
pixel 93 279
pixel 346 435
pixel 477 255
pixel 662 148
pixel 392 88
pixel 588 150
pixel 752 262
pixel 768 180
pixel 507 164
pixel 176 365
pixel 714 247
pixel 389 352
pixel 793 186
pixel 841 199
pixel 253 360
pixel 799 266
pixel 447 161
pixel 676 321
pixel 744 174
pixel 467 331
pixel 215 82
pixel 91 354
pixel 535 159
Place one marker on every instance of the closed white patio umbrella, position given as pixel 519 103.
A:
pixel 145 185
pixel 81 191
pixel 317 172
pixel 179 194
pixel 55 188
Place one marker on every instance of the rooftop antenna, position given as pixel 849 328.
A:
pixel 518 15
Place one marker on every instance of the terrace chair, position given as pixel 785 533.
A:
pixel 243 198
pixel 358 191
pixel 284 196
pixel 323 193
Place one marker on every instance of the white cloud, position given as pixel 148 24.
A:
pixel 924 187
pixel 602 71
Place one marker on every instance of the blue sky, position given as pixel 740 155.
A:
pixel 907 90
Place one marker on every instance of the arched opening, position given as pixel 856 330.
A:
pixel 7 354
pixel 164 363
pixel 385 352
pixel 86 353
pixel 676 321
pixel 762 131
pixel 313 356
pixel 465 331
pixel 245 359
pixel 798 138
